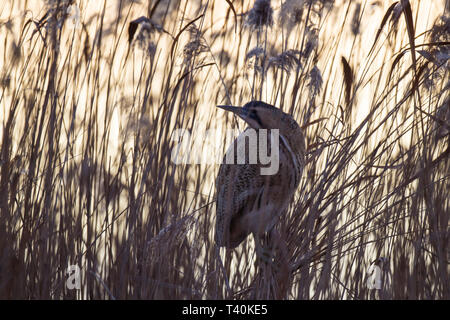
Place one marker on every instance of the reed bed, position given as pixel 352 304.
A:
pixel 91 96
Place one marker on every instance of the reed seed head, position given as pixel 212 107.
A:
pixel 260 15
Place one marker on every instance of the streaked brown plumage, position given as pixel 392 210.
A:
pixel 248 202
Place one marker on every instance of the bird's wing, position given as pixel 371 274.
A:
pixel 238 188
pixel 242 192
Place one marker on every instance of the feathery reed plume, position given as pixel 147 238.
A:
pixel 440 32
pixel 140 33
pixel 57 13
pixel 322 4
pixel 255 52
pixel 315 81
pixel 195 46
pixel 260 15
pixel 255 59
pixel 291 13
pixel 439 53
pixel 441 29
pixel 311 42
pixel 286 60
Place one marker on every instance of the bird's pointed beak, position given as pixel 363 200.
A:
pixel 239 111
pixel 235 110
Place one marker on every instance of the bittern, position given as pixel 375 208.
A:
pixel 248 201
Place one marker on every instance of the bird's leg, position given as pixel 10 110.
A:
pixel 271 249
pixel 280 250
pixel 264 251
pixel 280 266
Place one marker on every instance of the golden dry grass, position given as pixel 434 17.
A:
pixel 88 111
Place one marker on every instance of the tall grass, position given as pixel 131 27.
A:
pixel 89 105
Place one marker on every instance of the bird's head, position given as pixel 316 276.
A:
pixel 260 115
pixel 257 114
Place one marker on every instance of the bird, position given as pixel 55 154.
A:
pixel 249 202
